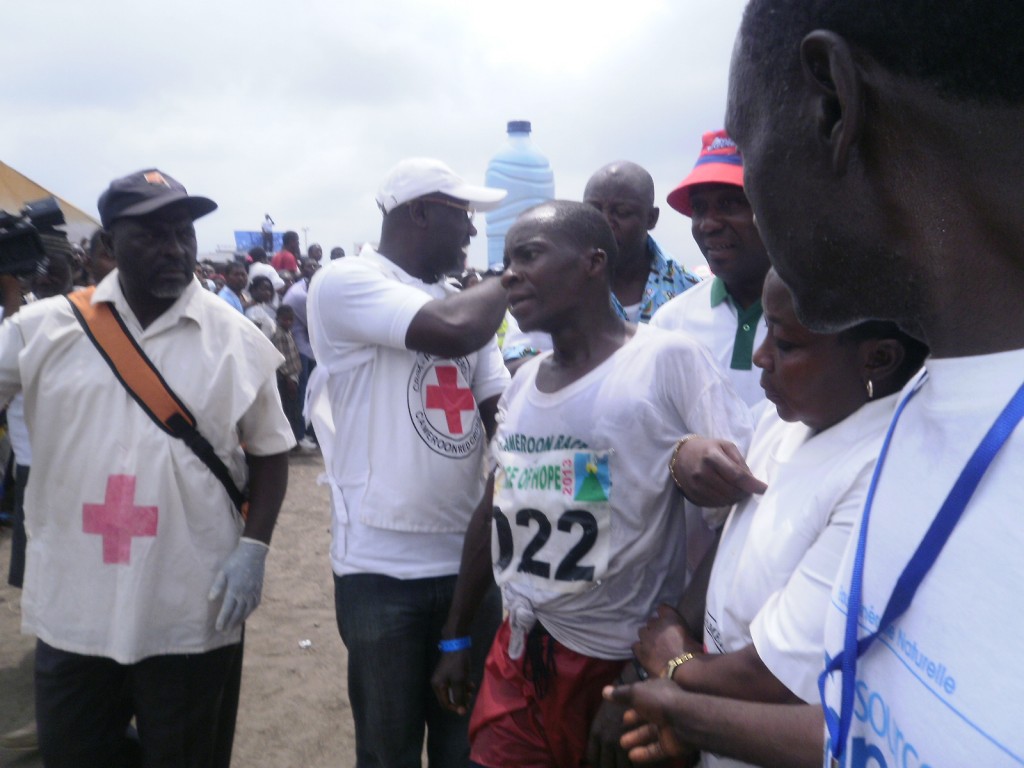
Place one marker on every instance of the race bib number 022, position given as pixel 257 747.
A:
pixel 552 519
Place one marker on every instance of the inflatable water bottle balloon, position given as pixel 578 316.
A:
pixel 520 168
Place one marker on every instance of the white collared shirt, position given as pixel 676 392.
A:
pixel 127 527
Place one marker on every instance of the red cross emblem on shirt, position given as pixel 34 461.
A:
pixel 118 520
pixel 449 397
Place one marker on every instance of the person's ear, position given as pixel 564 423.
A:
pixel 417 213
pixel 596 262
pixel 880 359
pixel 837 86
pixel 652 217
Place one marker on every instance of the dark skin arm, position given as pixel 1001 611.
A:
pixel 459 324
pixel 488 415
pixel 738 675
pixel 670 721
pixel 603 746
pixel 451 677
pixel 268 481
pixel 605 750
pixel 712 473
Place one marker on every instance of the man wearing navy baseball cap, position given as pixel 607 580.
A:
pixel 141 567
pixel 145 192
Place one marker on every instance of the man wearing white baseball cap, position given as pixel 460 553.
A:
pixel 403 400
pixel 418 176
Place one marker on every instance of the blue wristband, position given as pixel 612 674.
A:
pixel 455 644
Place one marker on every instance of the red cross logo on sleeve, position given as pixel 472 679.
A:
pixel 449 397
pixel 118 520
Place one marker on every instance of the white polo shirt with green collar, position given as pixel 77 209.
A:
pixel 731 333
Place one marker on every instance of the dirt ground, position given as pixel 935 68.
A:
pixel 294 709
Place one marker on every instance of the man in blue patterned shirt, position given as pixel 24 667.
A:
pixel 644 277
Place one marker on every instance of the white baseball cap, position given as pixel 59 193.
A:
pixel 418 176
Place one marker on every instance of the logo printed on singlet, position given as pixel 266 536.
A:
pixel 442 407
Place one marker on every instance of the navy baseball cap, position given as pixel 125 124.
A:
pixel 144 192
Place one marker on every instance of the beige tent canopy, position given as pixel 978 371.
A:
pixel 16 189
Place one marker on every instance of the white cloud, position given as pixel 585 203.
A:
pixel 299 109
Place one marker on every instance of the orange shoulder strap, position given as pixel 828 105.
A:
pixel 128 362
pixel 106 330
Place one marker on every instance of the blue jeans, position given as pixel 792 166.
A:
pixel 391 628
pixel 301 431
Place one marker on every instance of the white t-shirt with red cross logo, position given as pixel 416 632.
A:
pixel 402 438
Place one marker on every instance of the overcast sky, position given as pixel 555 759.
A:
pixel 299 109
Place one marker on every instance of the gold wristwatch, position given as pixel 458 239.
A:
pixel 678 661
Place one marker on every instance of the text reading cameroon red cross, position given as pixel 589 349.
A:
pixel 118 520
pixel 449 397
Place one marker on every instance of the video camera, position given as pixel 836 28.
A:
pixel 21 248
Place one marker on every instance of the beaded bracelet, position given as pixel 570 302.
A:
pixel 675 455
pixel 455 644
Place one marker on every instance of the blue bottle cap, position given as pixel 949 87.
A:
pixel 518 126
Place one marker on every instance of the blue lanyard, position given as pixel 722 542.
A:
pixel 920 563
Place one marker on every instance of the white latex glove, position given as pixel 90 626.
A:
pixel 241 583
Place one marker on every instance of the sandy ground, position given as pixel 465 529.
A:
pixel 294 709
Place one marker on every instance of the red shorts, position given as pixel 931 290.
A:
pixel 511 726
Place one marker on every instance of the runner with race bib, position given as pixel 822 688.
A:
pixel 584 530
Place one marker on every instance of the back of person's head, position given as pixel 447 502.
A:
pixel 95 243
pixel 99 260
pixel 337 252
pixel 53 275
pixel 964 51
pixel 257 254
pixel 290 238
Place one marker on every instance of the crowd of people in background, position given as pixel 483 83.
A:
pixel 271 292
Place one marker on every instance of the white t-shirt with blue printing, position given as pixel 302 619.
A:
pixel 943 685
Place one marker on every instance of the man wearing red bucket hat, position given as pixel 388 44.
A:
pixel 724 312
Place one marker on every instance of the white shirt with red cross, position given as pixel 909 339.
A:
pixel 403 442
